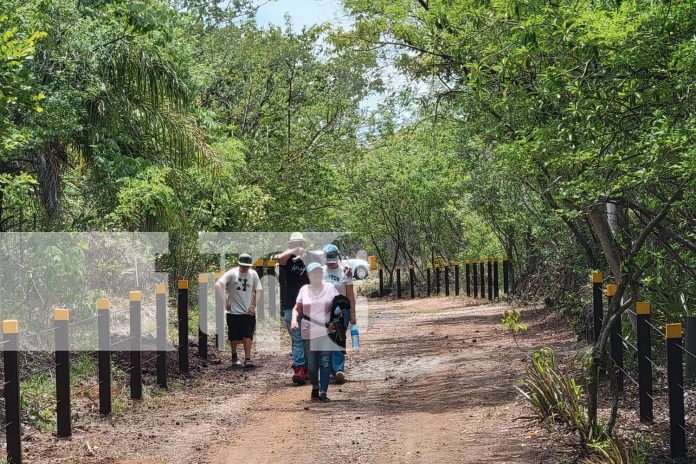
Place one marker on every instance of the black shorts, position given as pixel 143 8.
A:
pixel 240 326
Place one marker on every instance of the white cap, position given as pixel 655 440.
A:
pixel 297 237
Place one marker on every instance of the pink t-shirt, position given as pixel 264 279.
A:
pixel 318 307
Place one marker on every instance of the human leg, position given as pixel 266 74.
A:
pixel 313 363
pixel 249 328
pixel 235 337
pixel 324 369
pixel 298 352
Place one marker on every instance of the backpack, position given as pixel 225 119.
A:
pixel 339 302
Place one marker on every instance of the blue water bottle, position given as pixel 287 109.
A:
pixel 355 337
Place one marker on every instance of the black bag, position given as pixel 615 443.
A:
pixel 340 310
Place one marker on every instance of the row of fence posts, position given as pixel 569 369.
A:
pixel 675 350
pixel 133 343
pixel 61 326
pixel 481 277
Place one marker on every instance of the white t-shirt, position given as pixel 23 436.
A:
pixel 338 278
pixel 240 289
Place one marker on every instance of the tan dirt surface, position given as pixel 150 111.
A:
pixel 433 382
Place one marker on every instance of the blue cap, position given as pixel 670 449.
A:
pixel 331 253
pixel 312 267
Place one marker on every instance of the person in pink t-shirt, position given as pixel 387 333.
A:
pixel 314 304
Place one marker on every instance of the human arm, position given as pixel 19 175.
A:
pixel 294 324
pixel 350 294
pixel 285 256
pixel 220 290
pixel 255 297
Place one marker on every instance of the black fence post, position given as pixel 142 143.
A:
pixel 506 275
pixel 645 380
pixel 456 278
pixel 427 280
pixel 437 279
pixel 496 279
pixel 61 319
pixel 467 277
pixel 219 317
pixel 412 280
pixel 271 284
pixel 203 315
pixel 447 283
pixel 182 313
pixel 490 279
pixel 398 282
pixel 136 370
pixel 474 265
pixel 104 356
pixel 690 344
pixel 161 320
pixel 13 430
pixel 617 348
pixel 482 269
pixel 597 303
pixel 381 281
pixel 260 308
pixel 675 384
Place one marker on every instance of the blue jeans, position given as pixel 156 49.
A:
pixel 318 357
pixel 298 351
pixel 338 362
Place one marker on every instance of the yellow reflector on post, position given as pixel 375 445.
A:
pixel 643 308
pixel 10 326
pixel 673 330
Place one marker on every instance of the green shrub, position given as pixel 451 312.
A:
pixel 555 396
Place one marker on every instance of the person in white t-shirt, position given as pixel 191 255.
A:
pixel 342 278
pixel 243 290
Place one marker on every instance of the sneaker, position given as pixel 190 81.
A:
pixel 298 375
pixel 236 362
pixel 323 398
pixel 340 377
pixel 248 364
pixel 315 394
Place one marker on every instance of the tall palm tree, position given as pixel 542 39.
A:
pixel 143 107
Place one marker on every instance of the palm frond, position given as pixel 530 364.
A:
pixel 145 102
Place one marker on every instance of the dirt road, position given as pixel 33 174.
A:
pixel 433 382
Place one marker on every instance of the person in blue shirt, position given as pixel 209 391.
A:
pixel 342 278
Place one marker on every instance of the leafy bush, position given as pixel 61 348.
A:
pixel 555 396
pixel 552 394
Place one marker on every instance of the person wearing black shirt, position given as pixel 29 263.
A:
pixel 292 265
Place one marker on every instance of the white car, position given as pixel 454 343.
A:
pixel 360 267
